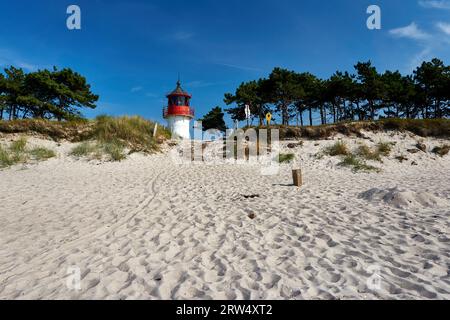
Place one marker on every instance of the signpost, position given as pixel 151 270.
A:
pixel 247 113
pixel 268 118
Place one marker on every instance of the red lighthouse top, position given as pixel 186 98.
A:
pixel 178 103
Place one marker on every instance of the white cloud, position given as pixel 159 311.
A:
pixel 234 66
pixel 444 27
pixel 417 59
pixel 199 84
pixel 136 89
pixel 9 58
pixel 435 4
pixel 182 36
pixel 411 31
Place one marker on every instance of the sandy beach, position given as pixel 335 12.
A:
pixel 148 228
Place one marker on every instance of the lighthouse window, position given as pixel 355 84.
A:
pixel 179 101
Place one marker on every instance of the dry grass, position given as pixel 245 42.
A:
pixel 420 127
pixel 112 135
pixel 337 149
pixel 135 133
pixel 367 153
pixel 384 148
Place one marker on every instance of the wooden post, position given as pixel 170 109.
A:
pixel 155 129
pixel 297 177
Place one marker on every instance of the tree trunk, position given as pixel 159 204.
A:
pixel 334 113
pixel 310 116
pixel 322 117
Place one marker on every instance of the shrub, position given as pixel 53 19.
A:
pixel 441 151
pixel 337 149
pixel 285 157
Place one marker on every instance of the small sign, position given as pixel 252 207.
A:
pixel 247 111
pixel 268 118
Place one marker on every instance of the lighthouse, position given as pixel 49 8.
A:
pixel 178 112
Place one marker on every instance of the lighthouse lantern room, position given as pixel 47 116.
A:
pixel 178 112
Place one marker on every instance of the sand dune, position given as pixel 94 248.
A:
pixel 148 228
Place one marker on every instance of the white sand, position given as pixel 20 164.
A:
pixel 146 228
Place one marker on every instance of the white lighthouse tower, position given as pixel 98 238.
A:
pixel 179 112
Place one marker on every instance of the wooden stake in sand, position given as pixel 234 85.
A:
pixel 297 177
pixel 155 129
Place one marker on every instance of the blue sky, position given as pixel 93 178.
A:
pixel 132 51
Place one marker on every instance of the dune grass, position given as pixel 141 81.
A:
pixel 17 152
pixel 96 150
pixel 134 133
pixel 40 153
pixel 337 149
pixel 19 145
pixel 83 149
pixel 384 148
pixel 285 157
pixel 420 127
pixel 367 153
pixel 381 149
pixel 115 150
pixel 356 164
pixel 5 159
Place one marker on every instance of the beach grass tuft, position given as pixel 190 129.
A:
pixel 285 157
pixel 367 153
pixel 384 148
pixel 337 149
pixel 41 153
pixel 17 152
pixel 356 164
